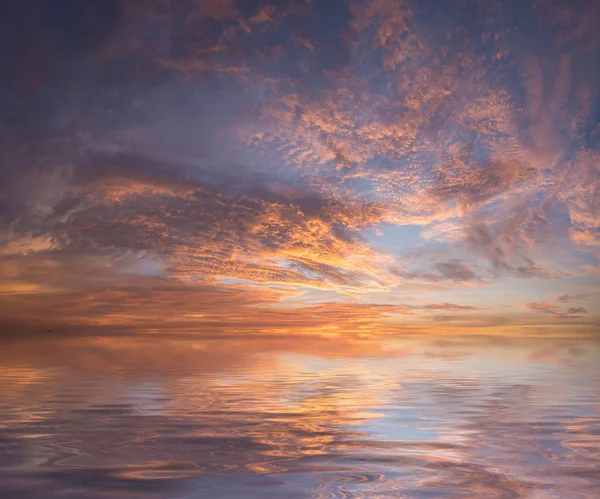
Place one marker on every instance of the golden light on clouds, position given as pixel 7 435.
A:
pixel 392 168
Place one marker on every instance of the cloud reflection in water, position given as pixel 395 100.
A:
pixel 461 417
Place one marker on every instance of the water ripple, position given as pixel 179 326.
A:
pixel 314 427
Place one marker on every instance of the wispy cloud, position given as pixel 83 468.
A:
pixel 556 311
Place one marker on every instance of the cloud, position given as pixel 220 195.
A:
pixel 207 223
pixel 450 307
pixel 453 272
pixel 571 298
pixel 59 291
pixel 543 306
pixel 554 310
pixel 503 249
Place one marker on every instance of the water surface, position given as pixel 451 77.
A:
pixel 257 418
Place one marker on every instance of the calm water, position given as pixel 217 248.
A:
pixel 296 418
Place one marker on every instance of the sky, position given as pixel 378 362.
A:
pixel 306 168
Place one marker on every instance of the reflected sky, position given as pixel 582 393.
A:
pixel 459 417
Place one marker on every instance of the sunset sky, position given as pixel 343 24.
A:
pixel 305 167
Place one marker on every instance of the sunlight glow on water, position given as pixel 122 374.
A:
pixel 467 418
